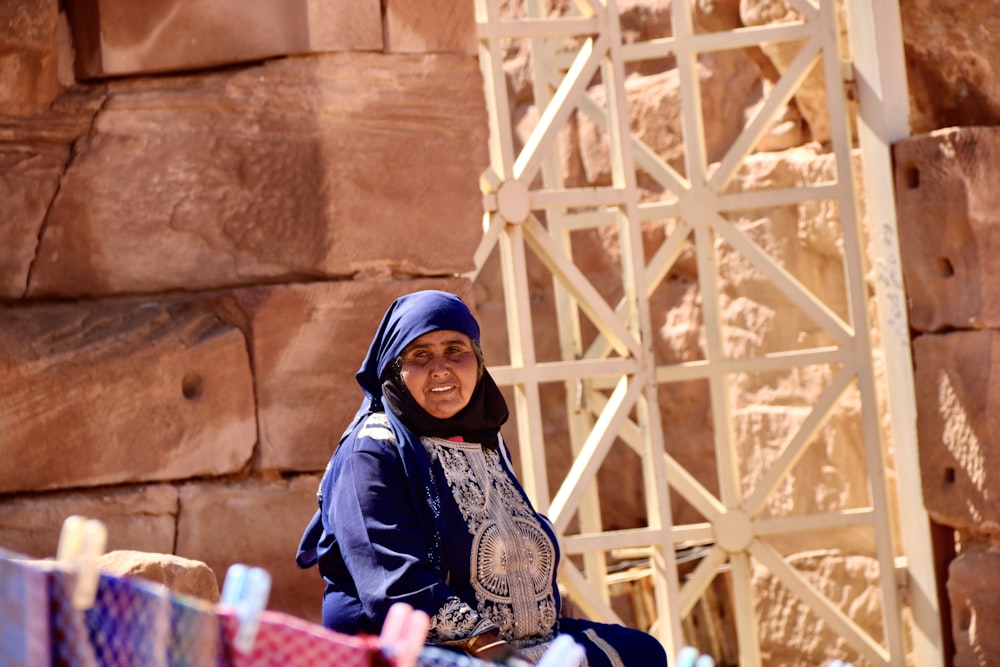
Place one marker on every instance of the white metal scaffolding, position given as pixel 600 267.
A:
pixel 608 366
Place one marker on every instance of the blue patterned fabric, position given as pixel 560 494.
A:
pixel 70 639
pixel 195 634
pixel 129 623
pixel 24 615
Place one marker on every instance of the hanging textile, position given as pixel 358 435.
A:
pixel 129 623
pixel 135 623
pixel 284 640
pixel 195 634
pixel 70 639
pixel 24 616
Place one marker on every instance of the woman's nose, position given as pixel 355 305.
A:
pixel 439 365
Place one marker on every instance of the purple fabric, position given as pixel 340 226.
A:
pixel 70 639
pixel 129 623
pixel 24 615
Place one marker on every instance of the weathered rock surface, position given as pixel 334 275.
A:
pixel 307 343
pixel 258 523
pixel 180 575
pixel 138 391
pixel 810 96
pixel 948 200
pixel 143 518
pixel 975 605
pixel 29 64
pixel 731 86
pixel 429 26
pixel 952 63
pixel 34 153
pixel 270 173
pixel 956 391
pixel 791 633
pixel 117 37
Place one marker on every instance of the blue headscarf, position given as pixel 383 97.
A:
pixel 408 318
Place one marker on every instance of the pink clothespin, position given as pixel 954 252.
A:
pixel 81 543
pixel 246 590
pixel 404 633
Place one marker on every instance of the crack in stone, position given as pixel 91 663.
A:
pixel 55 194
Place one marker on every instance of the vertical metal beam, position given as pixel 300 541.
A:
pixel 876 42
pixel 637 315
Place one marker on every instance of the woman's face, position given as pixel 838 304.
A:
pixel 441 370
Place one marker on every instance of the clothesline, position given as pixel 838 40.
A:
pixel 67 613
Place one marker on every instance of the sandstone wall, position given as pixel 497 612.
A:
pixel 206 207
pixel 947 188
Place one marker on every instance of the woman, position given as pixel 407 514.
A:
pixel 419 504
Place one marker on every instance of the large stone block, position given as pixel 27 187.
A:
pixel 975 605
pixel 28 55
pixel 948 199
pixel 114 392
pixel 428 26
pixel 312 166
pixel 118 37
pixel 258 523
pixel 308 341
pixel 957 426
pixel 142 518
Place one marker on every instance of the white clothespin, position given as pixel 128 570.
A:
pixel 562 652
pixel 403 634
pixel 81 544
pixel 688 657
pixel 246 590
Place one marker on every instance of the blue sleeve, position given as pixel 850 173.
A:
pixel 371 511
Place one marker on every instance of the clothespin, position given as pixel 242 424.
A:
pixel 81 543
pixel 562 652
pixel 246 590
pixel 688 657
pixel 403 634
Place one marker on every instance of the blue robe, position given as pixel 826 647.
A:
pixel 442 525
pixel 495 562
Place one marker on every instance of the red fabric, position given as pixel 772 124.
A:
pixel 284 640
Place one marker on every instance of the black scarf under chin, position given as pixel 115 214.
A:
pixel 479 421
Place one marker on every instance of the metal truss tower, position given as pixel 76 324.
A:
pixel 608 365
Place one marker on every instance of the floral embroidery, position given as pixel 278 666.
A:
pixel 455 621
pixel 513 558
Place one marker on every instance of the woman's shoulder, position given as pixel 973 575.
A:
pixel 376 426
pixel 371 433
